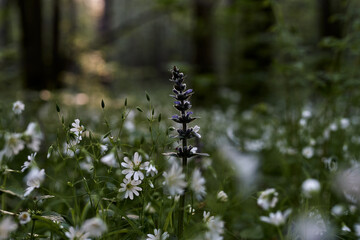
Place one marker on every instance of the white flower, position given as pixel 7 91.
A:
pixel 87 166
pixel 18 107
pixel 308 152
pixel 193 150
pixel 27 164
pixel 268 199
pixel 175 180
pixel 134 167
pixel 306 114
pixel 338 210
pixel 110 160
pixel 344 123
pixel 276 219
pixel 76 234
pixel 130 187
pixel 129 122
pixel 103 148
pixel 310 186
pixel 352 209
pixel 24 218
pixel 157 235
pixel 94 227
pixel 13 144
pixel 345 228
pixel 302 122
pixel 149 208
pixel 34 179
pixel 68 148
pixel 333 127
pixel 312 227
pixel 357 229
pixel 77 129
pixel 195 131
pixel 222 196
pixel 7 225
pixel 190 209
pixel 215 226
pixel 151 170
pixel 33 131
pixel 198 184
pixel 207 217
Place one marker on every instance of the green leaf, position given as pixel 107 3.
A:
pixel 169 217
pixel 147 96
pixel 57 108
pixel 102 104
pixel 107 134
pixel 139 109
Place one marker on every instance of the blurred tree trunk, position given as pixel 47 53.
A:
pixel 106 18
pixel 31 43
pixel 57 65
pixel 203 50
pixel 330 27
pixel 4 22
pixel 73 15
pixel 255 52
pixel 203 36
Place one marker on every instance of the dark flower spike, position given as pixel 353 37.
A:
pixel 185 151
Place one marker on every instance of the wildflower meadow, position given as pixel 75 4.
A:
pixel 180 119
pixel 159 173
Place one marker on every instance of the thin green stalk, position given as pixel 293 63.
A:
pixel 32 229
pixel 3 197
pixel 280 233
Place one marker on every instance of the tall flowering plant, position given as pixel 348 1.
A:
pixel 182 103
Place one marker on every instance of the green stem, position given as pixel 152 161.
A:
pixel 3 197
pixel 32 229
pixel 280 233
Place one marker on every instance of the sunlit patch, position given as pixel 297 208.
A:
pixel 81 99
pixel 45 95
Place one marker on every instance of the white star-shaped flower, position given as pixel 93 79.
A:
pixel 130 187
pixel 134 167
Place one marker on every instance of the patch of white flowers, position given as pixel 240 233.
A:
pixel 268 199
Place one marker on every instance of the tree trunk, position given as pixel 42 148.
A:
pixel 56 58
pixel 255 53
pixel 4 23
pixel 327 8
pixel 329 58
pixel 203 36
pixel 106 18
pixel 31 43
